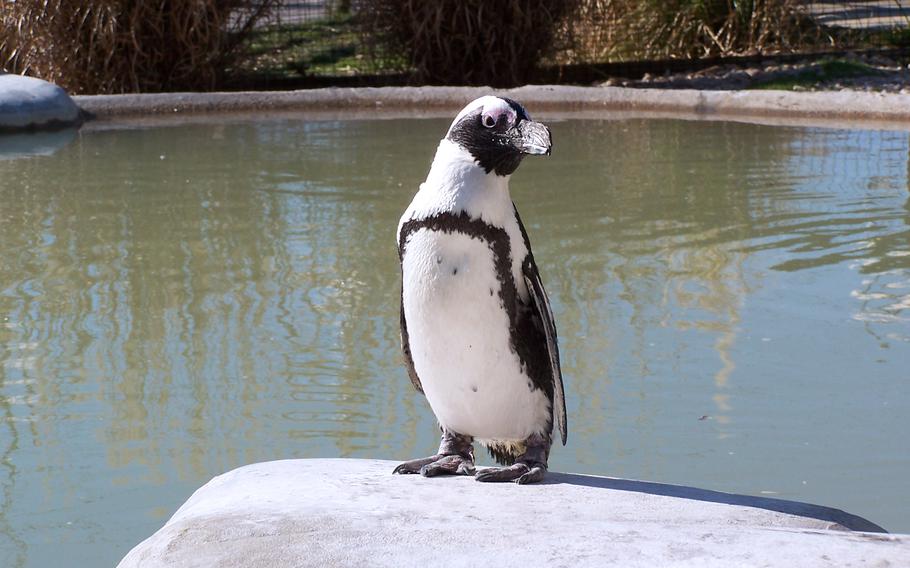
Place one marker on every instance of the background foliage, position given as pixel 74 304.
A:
pixel 115 46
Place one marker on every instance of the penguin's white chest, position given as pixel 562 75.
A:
pixel 459 336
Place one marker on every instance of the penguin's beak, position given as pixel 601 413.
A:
pixel 533 138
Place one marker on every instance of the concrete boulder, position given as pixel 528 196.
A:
pixel 27 103
pixel 356 513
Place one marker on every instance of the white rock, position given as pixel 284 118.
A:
pixel 29 103
pixel 356 513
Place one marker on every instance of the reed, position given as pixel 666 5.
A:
pixel 474 42
pixel 118 46
pixel 623 30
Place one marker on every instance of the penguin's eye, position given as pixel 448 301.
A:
pixel 488 120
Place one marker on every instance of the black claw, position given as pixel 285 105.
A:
pixel 533 476
pixel 466 468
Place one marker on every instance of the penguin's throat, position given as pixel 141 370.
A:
pixel 457 183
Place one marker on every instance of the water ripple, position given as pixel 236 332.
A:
pixel 162 321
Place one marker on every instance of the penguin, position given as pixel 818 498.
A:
pixel 477 331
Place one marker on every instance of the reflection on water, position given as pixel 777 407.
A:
pixel 733 303
pixel 41 143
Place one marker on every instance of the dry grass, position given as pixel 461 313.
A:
pixel 502 43
pixel 624 30
pixel 474 42
pixel 113 46
pixel 116 46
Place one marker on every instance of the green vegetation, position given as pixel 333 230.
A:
pixel 896 37
pixel 825 72
pixel 329 46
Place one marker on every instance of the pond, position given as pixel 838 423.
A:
pixel 733 303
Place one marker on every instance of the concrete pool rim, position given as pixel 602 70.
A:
pixel 845 109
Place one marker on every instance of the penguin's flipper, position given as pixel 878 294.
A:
pixel 541 304
pixel 406 349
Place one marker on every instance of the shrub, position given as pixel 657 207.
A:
pixel 612 30
pixel 115 46
pixel 474 42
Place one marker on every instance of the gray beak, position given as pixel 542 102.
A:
pixel 534 138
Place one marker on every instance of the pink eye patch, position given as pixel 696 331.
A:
pixel 496 110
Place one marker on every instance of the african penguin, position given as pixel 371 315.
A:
pixel 476 328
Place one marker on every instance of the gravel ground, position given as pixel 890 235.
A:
pixel 881 74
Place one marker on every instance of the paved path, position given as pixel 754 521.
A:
pixel 843 13
pixel 870 14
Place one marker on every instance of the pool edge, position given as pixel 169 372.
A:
pixel 822 108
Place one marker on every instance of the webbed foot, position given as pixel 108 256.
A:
pixel 454 457
pixel 520 473
pixel 530 466
pixel 438 465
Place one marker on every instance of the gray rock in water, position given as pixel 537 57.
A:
pixel 27 103
pixel 356 513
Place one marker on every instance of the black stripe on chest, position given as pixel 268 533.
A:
pixel 496 238
pixel 525 339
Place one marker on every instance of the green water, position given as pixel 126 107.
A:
pixel 733 304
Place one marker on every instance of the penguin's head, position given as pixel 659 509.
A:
pixel 498 133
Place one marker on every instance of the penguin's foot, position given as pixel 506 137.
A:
pixel 529 466
pixel 438 465
pixel 520 472
pixel 455 456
